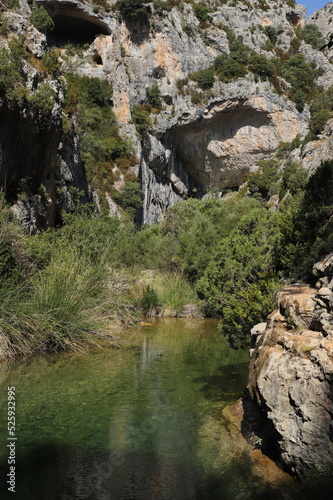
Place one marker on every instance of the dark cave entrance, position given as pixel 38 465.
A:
pixel 69 29
pixel 73 25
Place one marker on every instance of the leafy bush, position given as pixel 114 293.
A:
pixel 12 79
pixel 202 12
pixel 231 70
pixel 261 66
pixel 154 96
pixel 273 33
pixel 160 6
pixel 321 110
pixel 239 51
pixel 149 300
pixel 101 144
pixel 51 62
pixel 42 102
pixel 239 281
pixel 41 20
pixel 141 118
pixel 307 227
pixel 205 78
pixel 135 10
pixel 264 180
pixel 293 180
pixel 301 77
pixel 312 35
pixel 129 198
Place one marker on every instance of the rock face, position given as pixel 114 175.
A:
pixel 202 139
pixel 291 372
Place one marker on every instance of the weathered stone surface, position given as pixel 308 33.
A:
pixel 291 373
pixel 297 304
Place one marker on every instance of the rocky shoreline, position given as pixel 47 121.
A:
pixel 291 372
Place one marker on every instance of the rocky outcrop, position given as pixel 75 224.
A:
pixel 215 147
pixel 291 372
pixel 201 140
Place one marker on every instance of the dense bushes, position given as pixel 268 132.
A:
pixel 12 78
pixel 101 144
pixel 306 227
pixel 41 20
pixel 204 78
pixel 57 290
pixel 321 110
pixel 301 76
pixel 134 10
pixel 312 35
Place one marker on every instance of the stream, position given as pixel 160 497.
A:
pixel 140 423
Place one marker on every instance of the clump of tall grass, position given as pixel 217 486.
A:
pixel 166 291
pixel 69 303
pixel 174 292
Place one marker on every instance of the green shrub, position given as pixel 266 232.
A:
pixel 307 227
pixel 129 198
pixel 135 10
pixel 301 77
pixel 239 280
pixel 161 7
pixel 3 25
pixel 321 110
pixel 202 12
pixel 231 70
pixel 154 96
pixel 273 33
pixel 312 35
pixel 42 102
pixel 264 180
pixel 205 78
pixel 239 51
pixel 41 20
pixel 261 66
pixel 12 79
pixel 149 300
pixel 51 62
pixel 141 118
pixel 293 180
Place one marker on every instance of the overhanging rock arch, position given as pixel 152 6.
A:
pixel 74 21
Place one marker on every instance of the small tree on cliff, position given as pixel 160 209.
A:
pixel 41 20
pixel 134 10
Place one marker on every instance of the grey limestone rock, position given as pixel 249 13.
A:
pixel 291 373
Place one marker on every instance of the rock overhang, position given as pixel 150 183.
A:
pixel 74 21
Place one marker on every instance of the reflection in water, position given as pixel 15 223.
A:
pixel 142 423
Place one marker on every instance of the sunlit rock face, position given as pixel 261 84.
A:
pixel 291 372
pixel 200 141
pixel 216 147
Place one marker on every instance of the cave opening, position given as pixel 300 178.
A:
pixel 69 29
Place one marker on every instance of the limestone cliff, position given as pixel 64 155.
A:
pixel 201 139
pixel 291 372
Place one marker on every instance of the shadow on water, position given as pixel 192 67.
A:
pixel 66 473
pixel 132 424
pixel 225 382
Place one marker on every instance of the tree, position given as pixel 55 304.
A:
pixel 41 20
pixel 311 35
pixel 204 78
pixel 135 10
pixel 261 66
pixel 154 96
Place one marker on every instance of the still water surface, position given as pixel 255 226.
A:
pixel 140 423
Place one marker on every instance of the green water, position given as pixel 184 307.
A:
pixel 140 423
